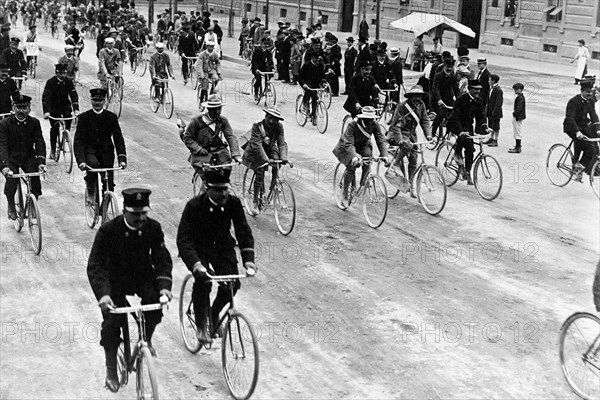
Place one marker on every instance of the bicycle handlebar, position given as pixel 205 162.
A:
pixel 266 73
pixel 26 174
pixel 62 118
pixel 103 169
pixel 227 278
pixel 220 166
pixel 164 300
pixel 5 115
pixel 587 139
pixel 162 80
pixel 19 78
pixel 276 162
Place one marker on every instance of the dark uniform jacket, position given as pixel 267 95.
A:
pixel 519 108
pixel 353 141
pixel 15 60
pixel 494 107
pixel 100 43
pixel 445 88
pixel 484 81
pixel 122 259
pixel 362 91
pixel 188 45
pixel 580 113
pixel 467 108
pixel 59 97
pixel 397 71
pixel 350 56
pixel 312 75
pixel 21 142
pixel 382 72
pixel 204 231
pixel 95 134
pixel 363 55
pixel 8 91
pixel 262 60
pixel 4 41
pixel 264 145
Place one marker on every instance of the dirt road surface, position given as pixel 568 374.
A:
pixel 467 304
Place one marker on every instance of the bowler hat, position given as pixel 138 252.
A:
pixel 350 39
pixel 136 199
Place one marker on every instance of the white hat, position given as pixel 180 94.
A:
pixel 109 40
pixel 159 45
pixel 368 112
pixel 210 43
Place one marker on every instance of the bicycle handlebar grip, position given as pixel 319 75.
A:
pixel 250 272
pixel 163 299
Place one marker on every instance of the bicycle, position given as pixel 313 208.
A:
pixel 371 188
pixel 19 81
pixel 389 106
pixel 139 359
pixel 64 142
pixel 561 171
pixel 268 92
pixel 248 51
pixel 280 195
pixel 443 134
pixel 325 94
pixel 212 90
pixel 428 181
pixel 198 184
pixel 579 351
pixel 27 207
pixel 32 51
pixel 239 349
pixel 108 208
pixel 191 61
pixel 5 115
pixel 487 173
pixel 114 87
pixel 54 29
pixel 166 99
pixel 140 64
pixel 321 114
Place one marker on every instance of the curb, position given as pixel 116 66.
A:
pixel 235 60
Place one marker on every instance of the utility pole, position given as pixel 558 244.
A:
pixel 231 14
pixel 312 12
pixel 299 20
pixel 378 19
pixel 267 16
pixel 150 14
pixel 174 9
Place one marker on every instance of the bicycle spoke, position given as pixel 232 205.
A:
pixel 240 357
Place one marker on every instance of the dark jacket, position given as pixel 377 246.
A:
pixel 312 75
pixel 333 58
pixel 59 98
pixel 188 45
pixel 265 144
pixel 580 113
pixel 494 106
pixel 397 71
pixel 467 108
pixel 445 88
pixel 262 60
pixel 382 72
pixel 484 81
pixel 8 91
pixel 350 56
pixel 519 108
pixel 362 90
pixel 21 142
pixel 95 134
pixel 353 140
pixel 122 260
pixel 205 231
pixel 363 55
pixel 15 60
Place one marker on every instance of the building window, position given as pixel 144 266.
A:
pixel 302 15
pixel 248 7
pixel 553 11
pixel 283 13
pixel 550 48
pixel 324 19
pixel 433 5
pixel 403 2
pixel 494 3
pixel 506 41
pixel 598 16
pixel 265 10
pixel 374 21
pixel 596 55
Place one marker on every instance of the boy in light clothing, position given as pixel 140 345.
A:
pixel 518 116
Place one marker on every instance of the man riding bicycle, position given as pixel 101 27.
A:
pixel 160 68
pixel 188 47
pixel 262 61
pixel 128 257
pixel 208 69
pixel 266 144
pixel 204 240
pixel 208 137
pixel 110 62
pixel 312 76
pixel 15 60
pixel 8 90
pixel 31 37
pixel 70 62
pixel 363 90
pixel 355 143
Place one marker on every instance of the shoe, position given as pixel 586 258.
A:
pixel 469 180
pixel 89 198
pixel 12 212
pixel 515 149
pixel 202 336
pixel 313 120
pixel 492 143
pixel 112 379
pixel 578 167
pixel 185 81
pixel 53 155
pixel 254 210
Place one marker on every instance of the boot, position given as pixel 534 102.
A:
pixel 89 196
pixel 12 211
pixel 492 143
pixel 112 378
pixel 516 149
pixel 469 180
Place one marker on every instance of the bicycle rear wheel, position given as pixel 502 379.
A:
pixel 118 99
pixel 193 76
pixel 19 206
pixel 488 177
pixel 322 117
pixel 327 95
pixel 445 161
pixel 110 207
pixel 146 382
pixel 187 318
pixel 301 115
pixel 285 208
pixel 67 149
pixel 168 103
pixel 578 350
pixel 239 355
pixel 142 65
pixel 248 190
pixel 595 178
pixel 91 209
pixel 559 165
pixel 34 220
pixel 154 102
pixel 375 201
pixel 338 186
pixel 391 184
pixel 431 189
pixel 270 95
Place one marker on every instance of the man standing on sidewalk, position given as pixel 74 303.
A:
pixel 494 109
pixel 349 61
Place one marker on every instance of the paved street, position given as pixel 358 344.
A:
pixel 467 304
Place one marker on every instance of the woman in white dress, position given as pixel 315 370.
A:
pixel 583 54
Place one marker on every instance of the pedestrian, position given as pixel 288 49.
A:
pixel 583 54
pixel 350 56
pixel 295 59
pixel 219 32
pixel 494 110
pixel 518 116
pixel 244 32
pixel 334 56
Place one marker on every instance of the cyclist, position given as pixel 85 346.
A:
pixel 188 47
pixel 15 60
pixel 8 90
pixel 97 130
pixel 581 121
pixel 21 145
pixel 382 71
pixel 363 90
pixel 312 76
pixel 70 62
pixel 403 129
pixel 467 107
pixel 129 256
pixel 262 61
pixel 355 143
pixel 267 143
pixel 110 62
pixel 76 40
pixel 31 37
pixel 59 99
pixel 204 237
pixel 208 69
pixel 160 68
pixel 208 137
pixel 444 91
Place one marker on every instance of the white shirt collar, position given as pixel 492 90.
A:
pixel 131 228
pixel 98 112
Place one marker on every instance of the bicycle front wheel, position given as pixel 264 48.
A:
pixel 285 208
pixel 338 186
pixel 142 66
pixel 595 178
pixel 559 165
pixel 270 95
pixel 375 201
pixel 122 372
pixel 34 220
pixel 488 177
pixel 239 355
pixel 168 103
pixel 110 207
pixel 301 114
pixel 248 190
pixel 19 206
pixel 154 101
pixel 91 210
pixel 117 100
pixel 187 318
pixel 390 184
pixel 67 149
pixel 437 140
pixel 322 117
pixel 431 189
pixel 327 95
pixel 260 94
pixel 444 160
pixel 347 119
pixel 193 77
pixel 146 382
pixel 579 346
